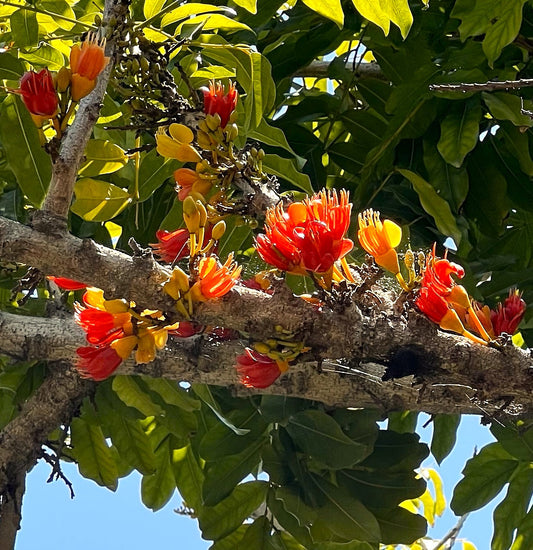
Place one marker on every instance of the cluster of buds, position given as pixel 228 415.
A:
pixel 53 97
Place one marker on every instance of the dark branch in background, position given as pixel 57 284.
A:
pixel 482 86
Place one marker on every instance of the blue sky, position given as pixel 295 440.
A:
pixel 97 519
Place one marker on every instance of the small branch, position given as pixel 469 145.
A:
pixel 451 535
pixel 56 473
pixel 482 86
pixel 320 69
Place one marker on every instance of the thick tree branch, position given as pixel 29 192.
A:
pixel 11 512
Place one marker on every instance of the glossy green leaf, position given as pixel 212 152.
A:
pixel 25 156
pixel 484 477
pixel 381 489
pixel 511 510
pixel 215 21
pixel 220 441
pixel 49 22
pixel 344 515
pixel 257 535
pixel 152 8
pixel 157 488
pixel 171 393
pixel 98 201
pixel 95 459
pixel 384 12
pixel 282 540
pixel 444 434
pixel 102 157
pixel 223 475
pixel 505 106
pixel 154 171
pixel 286 169
pixel 332 9
pixel 189 476
pixel 398 526
pixel 517 440
pixel 402 421
pixel 133 395
pixel 45 55
pixel 189 10
pixel 237 237
pixel 10 67
pixel 219 521
pixel 320 436
pixel 231 541
pixel 503 28
pixel 265 133
pixel 459 132
pixel 24 28
pixel 524 535
pixel 250 5
pixel 434 205
pixel 278 408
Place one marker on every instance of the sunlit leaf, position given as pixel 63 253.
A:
pixel 98 201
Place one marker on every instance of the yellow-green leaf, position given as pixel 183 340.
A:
pixel 250 5
pixel 24 28
pixel 98 201
pixel 26 158
pixel 332 9
pixel 383 12
pixel 102 157
pixel 152 7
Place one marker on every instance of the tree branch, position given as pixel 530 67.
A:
pixel 320 69
pixel 11 512
pixel 482 86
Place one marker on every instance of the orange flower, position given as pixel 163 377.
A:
pixel 380 239
pixel 86 63
pixel 214 280
pixel 216 101
pixel 189 181
pixel 309 236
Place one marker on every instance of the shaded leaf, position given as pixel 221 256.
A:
pixel 444 434
pixel 157 488
pixel 286 169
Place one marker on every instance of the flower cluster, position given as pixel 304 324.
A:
pixel 49 96
pixel 309 236
pixel 257 370
pixel 114 330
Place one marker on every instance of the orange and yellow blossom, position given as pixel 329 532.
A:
pixel 176 144
pixel 215 280
pixel 189 181
pixel 86 63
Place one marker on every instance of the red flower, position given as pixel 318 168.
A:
pixel 174 245
pixel 216 101
pixel 508 315
pixel 258 370
pixel 100 326
pixel 38 93
pixel 67 284
pixel 186 329
pixel 309 236
pixel 97 362
pixel 215 280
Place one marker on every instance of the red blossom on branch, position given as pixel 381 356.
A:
pixel 216 101
pixel 507 316
pixel 258 370
pixel 38 93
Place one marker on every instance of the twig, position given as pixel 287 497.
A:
pixel 451 535
pixel 482 86
pixel 56 473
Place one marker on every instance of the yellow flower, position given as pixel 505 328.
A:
pixel 177 143
pixel 380 239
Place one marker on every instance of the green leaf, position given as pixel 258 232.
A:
pixel 384 12
pixel 94 457
pixel 402 421
pixel 332 9
pixel 484 477
pixel 134 396
pixel 152 7
pixel 278 408
pixel 459 132
pixel 265 133
pixel 511 510
pixel 220 441
pixel 232 541
pixel 45 55
pixel 154 171
pixel 503 28
pixel 10 67
pixel 222 476
pixel 434 205
pixel 25 156
pixel 398 526
pixel 219 521
pixel 524 535
pixel 444 434
pixel 516 440
pixel 235 238
pixel 188 11
pixel 98 201
pixel 189 476
pixel 171 393
pixel 250 5
pixel 257 535
pixel 286 169
pixel 24 28
pixel 50 23
pixel 282 540
pixel 157 488
pixel 214 21
pixel 320 436
pixel 102 157
pixel 344 515
pixel 382 489
pixel 505 106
